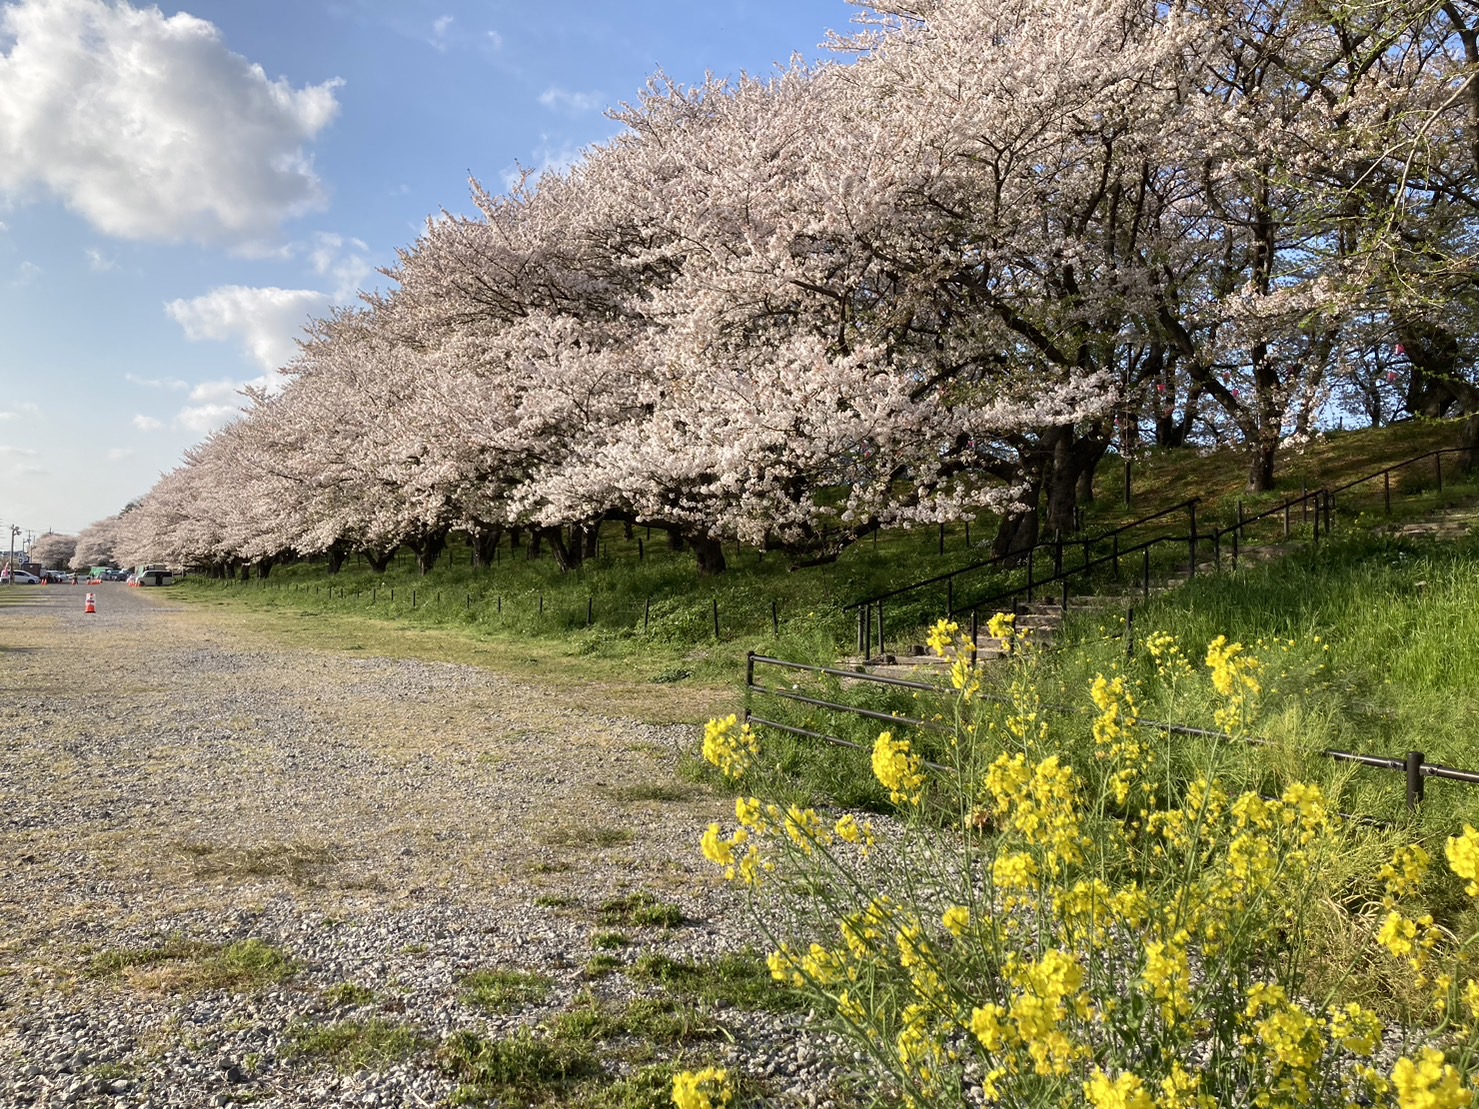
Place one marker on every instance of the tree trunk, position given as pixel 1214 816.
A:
pixel 484 543
pixel 710 554
pixel 245 571
pixel 337 553
pixel 264 567
pixel 515 538
pixel 675 538
pixel 1261 465
pixel 428 549
pixel 380 560
pixel 557 544
pixel 593 540
pixel 536 544
pixel 626 528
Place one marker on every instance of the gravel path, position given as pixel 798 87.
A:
pixel 171 792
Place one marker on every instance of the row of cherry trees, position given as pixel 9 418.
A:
pixel 941 276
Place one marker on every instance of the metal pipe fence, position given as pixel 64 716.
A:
pixel 1413 765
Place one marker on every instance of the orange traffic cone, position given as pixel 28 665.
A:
pixel 91 604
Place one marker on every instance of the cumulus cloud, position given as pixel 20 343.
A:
pixel 265 321
pixel 149 127
pixel 205 418
pixel 147 423
pixel 572 103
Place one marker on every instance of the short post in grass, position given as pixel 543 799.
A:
pixel 640 554
pixel 413 598
pixel 647 614
pixel 967 533
pixel 1192 540
pixel 590 610
pixel 716 617
pixel 1414 767
pixel 775 619
pixel 1130 634
pixel 541 603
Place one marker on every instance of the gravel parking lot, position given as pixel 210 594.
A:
pixel 182 808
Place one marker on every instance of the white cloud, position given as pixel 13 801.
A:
pixel 147 423
pixel 25 274
pixel 149 127
pixel 22 408
pixel 118 454
pixel 98 262
pixel 156 382
pixel 7 415
pixel 345 261
pixel 265 321
pixel 572 103
pixel 547 159
pixel 495 40
pixel 206 418
pixel 18 452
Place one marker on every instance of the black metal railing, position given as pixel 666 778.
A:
pixel 1413 765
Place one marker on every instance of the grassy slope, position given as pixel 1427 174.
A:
pixel 673 668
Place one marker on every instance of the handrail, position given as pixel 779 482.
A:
pixel 1406 462
pixel 1018 554
pixel 1414 764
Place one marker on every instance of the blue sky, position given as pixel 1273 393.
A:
pixel 181 187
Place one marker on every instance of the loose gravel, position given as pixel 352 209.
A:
pixel 388 825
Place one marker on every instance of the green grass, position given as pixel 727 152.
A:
pixel 740 980
pixel 353 1045
pixel 180 965
pixel 641 910
pixel 504 991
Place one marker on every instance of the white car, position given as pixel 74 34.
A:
pixel 19 577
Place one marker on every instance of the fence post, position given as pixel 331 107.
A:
pixel 590 610
pixel 775 619
pixel 880 629
pixel 1286 519
pixel 1414 779
pixel 865 628
pixel 967 533
pixel 639 550
pixel 1065 596
pixel 975 630
pixel 1130 634
pixel 647 614
pixel 716 617
pixel 749 670
pixel 413 598
pixel 1191 571
pixel 1329 512
pixel 541 604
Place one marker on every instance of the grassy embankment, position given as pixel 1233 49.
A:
pixel 1400 672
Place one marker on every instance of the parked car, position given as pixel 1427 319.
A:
pixel 154 577
pixel 19 577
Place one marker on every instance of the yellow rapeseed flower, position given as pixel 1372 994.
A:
pixel 1463 857
pixel 705 1089
pixel 1429 1083
pixel 1125 1092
